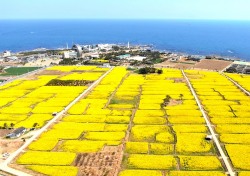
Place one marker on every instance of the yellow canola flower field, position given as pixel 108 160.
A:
pixel 46 110
pixel 92 76
pixel 11 110
pixel 231 121
pixel 148 120
pixel 12 117
pixel 78 108
pixel 165 137
pixel 200 163
pixel 54 170
pixel 137 147
pixel 140 173
pixel 43 144
pixel 79 126
pixel 36 98
pixel 88 68
pixel 186 120
pixel 229 113
pixel 241 79
pixel 154 113
pixel 85 118
pixel 190 128
pixel 237 129
pixel 235 138
pixel 161 149
pixel 154 162
pixel 47 158
pixel 239 155
pixel 143 133
pixel 184 113
pixel 105 136
pixel 116 127
pixel 77 146
pixel 196 173
pixel 5 101
pixel 63 134
pixel 63 68
pixel 39 119
pixel 191 143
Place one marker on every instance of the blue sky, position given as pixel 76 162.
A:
pixel 125 9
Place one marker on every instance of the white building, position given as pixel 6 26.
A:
pixel 136 58
pixel 107 47
pixel 95 55
pixel 69 54
pixel 6 54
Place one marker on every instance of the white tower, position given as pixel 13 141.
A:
pixel 128 45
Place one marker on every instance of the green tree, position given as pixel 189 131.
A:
pixel 35 125
pixel 5 125
pixel 12 125
pixel 181 96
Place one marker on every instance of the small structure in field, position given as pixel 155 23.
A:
pixel 16 133
pixel 209 137
pixel 54 114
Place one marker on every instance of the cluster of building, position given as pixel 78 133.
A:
pixel 7 56
pixel 128 57
pixel 239 67
pixel 81 51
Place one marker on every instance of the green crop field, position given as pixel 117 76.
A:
pixel 12 71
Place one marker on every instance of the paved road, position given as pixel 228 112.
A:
pixel 4 165
pixel 210 127
pixel 236 84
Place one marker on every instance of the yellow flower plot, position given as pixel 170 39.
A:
pixel 161 149
pixel 137 147
pixel 154 162
pixel 200 163
pixel 239 155
pixel 54 170
pixel 105 136
pixel 140 173
pixel 142 133
pixel 43 144
pixel 196 173
pixel 47 158
pixel 86 146
pixel 190 143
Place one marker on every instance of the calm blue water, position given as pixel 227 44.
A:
pixel 226 38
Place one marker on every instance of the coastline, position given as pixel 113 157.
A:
pixel 153 48
pixel 192 37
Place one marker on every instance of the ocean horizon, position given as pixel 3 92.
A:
pixel 201 37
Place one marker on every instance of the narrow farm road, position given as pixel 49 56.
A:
pixel 236 84
pixel 224 157
pixel 4 165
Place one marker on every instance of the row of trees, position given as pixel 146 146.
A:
pixel 58 82
pixel 148 70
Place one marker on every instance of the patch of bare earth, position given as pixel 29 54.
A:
pixel 174 102
pixel 184 66
pixel 179 80
pixel 181 64
pixel 23 168
pixel 10 145
pixel 4 132
pixel 103 163
pixel 216 65
pixel 50 72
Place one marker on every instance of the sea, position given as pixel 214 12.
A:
pixel 197 37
